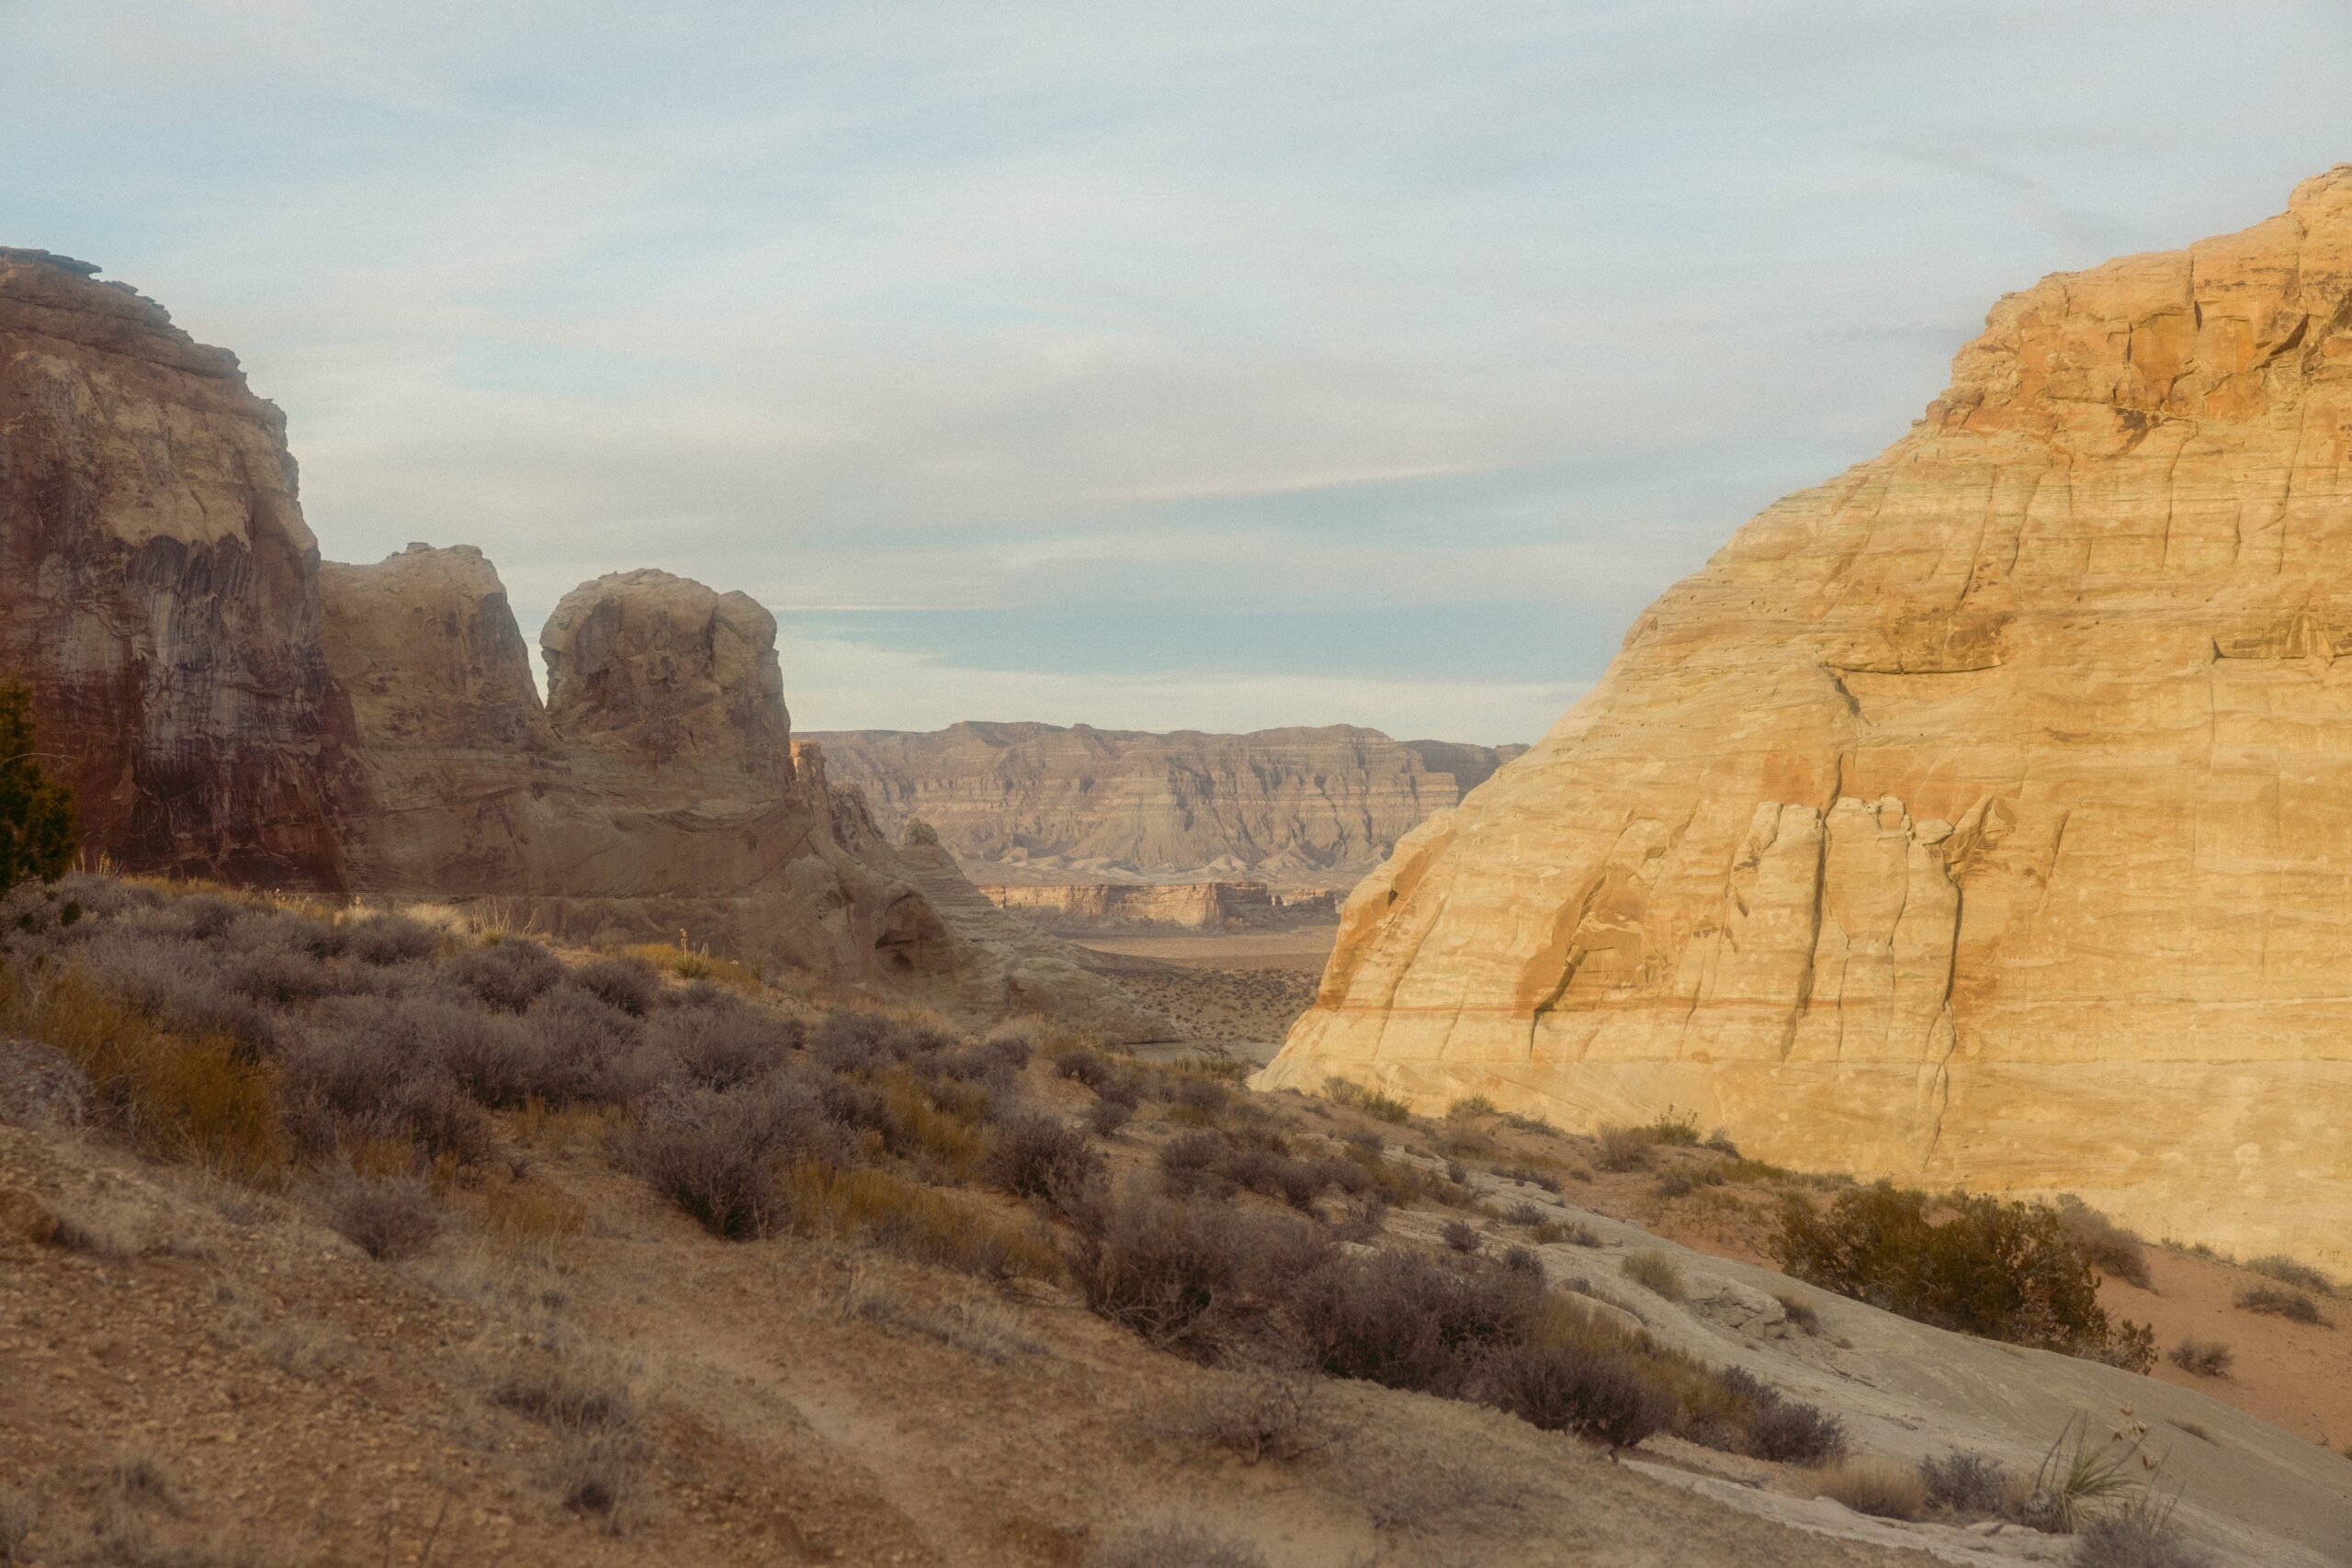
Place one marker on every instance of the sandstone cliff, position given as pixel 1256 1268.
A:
pixel 1035 802
pixel 657 791
pixel 1976 817
pixel 155 586
pixel 225 705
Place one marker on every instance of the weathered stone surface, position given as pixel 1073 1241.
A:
pixel 1037 802
pixel 1978 817
pixel 655 794
pixel 155 586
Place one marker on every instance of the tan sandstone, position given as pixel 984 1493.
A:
pixel 1978 817
pixel 1039 802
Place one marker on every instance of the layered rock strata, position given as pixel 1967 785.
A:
pixel 1977 817
pixel 1187 906
pixel 155 587
pixel 225 705
pixel 1038 802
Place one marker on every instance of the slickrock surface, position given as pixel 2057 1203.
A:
pixel 656 793
pixel 1037 802
pixel 155 586
pixel 1978 815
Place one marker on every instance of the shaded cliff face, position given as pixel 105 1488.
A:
pixel 155 586
pixel 1035 801
pixel 1976 817
pixel 656 791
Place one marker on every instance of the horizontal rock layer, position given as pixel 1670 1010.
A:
pixel 1978 817
pixel 1191 906
pixel 1037 802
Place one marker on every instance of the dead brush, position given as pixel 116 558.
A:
pixel 1876 1486
pixel 201 1098
pixel 913 1221
pixel 389 1218
pixel 1624 1148
pixel 1261 1415
pixel 595 1415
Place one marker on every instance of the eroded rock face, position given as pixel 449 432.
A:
pixel 657 793
pixel 1035 802
pixel 1977 817
pixel 155 586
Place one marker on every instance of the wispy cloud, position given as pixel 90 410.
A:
pixel 1422 314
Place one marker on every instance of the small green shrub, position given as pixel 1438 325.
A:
pixel 1469 1105
pixel 36 811
pixel 2003 1271
pixel 1386 1107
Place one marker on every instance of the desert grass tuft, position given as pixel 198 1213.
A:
pixel 1876 1486
pixel 1656 1273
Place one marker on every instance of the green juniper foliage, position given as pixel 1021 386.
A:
pixel 35 812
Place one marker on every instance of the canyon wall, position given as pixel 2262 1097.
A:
pixel 1978 817
pixel 1037 802
pixel 225 704
pixel 155 587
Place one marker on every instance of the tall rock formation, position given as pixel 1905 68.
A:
pixel 1021 802
pixel 155 586
pixel 225 705
pixel 1978 817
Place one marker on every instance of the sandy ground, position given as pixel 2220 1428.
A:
pixel 276 1398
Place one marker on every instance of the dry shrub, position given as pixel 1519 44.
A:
pixel 912 1220
pixel 18 1520
pixel 1582 1387
pixel 1406 1321
pixel 1106 1116
pixel 1576 1233
pixel 628 984
pixel 1654 1273
pixel 1776 1428
pixel 722 1042
pixel 1531 1176
pixel 201 1098
pixel 385 941
pixel 1624 1148
pixel 1037 1156
pixel 1469 1105
pixel 594 1414
pixel 977 1327
pixel 1802 1314
pixel 717 1155
pixel 1261 1416
pixel 2287 1271
pixel 1683 1132
pixel 389 1218
pixel 692 964
pixel 1385 1107
pixel 1876 1486
pixel 84 1227
pixel 1175 1543
pixel 2203 1358
pixel 1185 1276
pixel 1084 1064
pixel 1966 1482
pixel 2139 1535
pixel 2292 1306
pixel 508 974
pixel 2117 1252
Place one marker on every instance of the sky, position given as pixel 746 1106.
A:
pixel 1211 366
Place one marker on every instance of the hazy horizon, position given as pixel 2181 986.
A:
pixel 1229 368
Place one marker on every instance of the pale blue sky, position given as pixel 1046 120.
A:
pixel 1209 365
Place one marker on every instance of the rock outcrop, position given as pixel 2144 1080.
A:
pixel 656 791
pixel 1037 802
pixel 155 587
pixel 226 705
pixel 1977 817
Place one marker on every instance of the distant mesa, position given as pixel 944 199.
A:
pixel 1090 908
pixel 1982 816
pixel 1309 809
